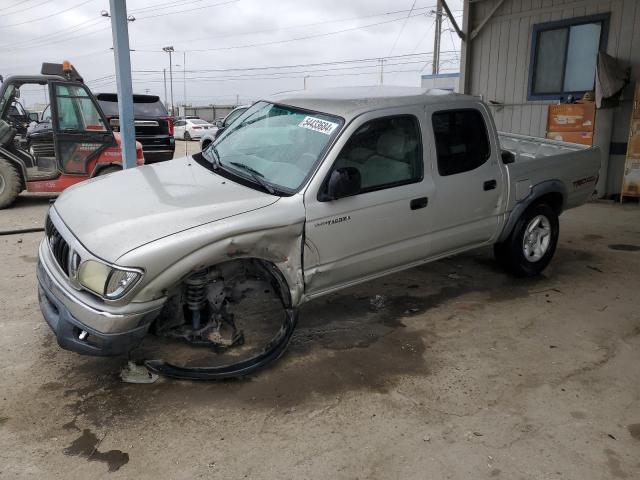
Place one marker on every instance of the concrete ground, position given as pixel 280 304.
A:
pixel 186 148
pixel 453 370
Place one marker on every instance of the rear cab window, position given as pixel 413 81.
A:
pixel 143 105
pixel 462 140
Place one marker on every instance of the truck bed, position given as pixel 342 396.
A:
pixel 539 160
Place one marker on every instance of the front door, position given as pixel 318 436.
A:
pixel 80 129
pixel 380 227
pixel 468 179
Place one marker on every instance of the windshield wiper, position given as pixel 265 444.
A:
pixel 256 175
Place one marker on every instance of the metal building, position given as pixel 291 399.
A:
pixel 517 51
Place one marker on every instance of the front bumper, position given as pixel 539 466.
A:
pixel 107 333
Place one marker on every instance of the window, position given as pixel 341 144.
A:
pixel 233 115
pixel 386 151
pixel 76 110
pixel 275 145
pixel 461 140
pixel 564 56
pixel 180 123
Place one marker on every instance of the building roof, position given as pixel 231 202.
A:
pixel 349 102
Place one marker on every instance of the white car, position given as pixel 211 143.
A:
pixel 189 128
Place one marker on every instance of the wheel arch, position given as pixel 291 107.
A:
pixel 18 164
pixel 101 166
pixel 551 192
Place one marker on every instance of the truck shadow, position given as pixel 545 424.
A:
pixel 364 338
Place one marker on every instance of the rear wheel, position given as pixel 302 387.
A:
pixel 10 183
pixel 532 243
pixel 187 137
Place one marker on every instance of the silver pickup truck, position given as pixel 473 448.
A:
pixel 305 194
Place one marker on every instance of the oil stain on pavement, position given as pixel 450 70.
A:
pixel 623 247
pixel 86 446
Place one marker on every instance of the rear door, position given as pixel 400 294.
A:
pixel 80 129
pixel 468 176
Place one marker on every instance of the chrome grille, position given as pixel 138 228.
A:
pixel 59 247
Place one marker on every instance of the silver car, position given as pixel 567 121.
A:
pixel 305 194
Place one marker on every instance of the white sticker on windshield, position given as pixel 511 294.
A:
pixel 318 125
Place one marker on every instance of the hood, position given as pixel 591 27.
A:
pixel 114 214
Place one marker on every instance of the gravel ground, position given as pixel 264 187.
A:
pixel 453 370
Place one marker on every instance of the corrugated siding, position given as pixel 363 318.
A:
pixel 500 55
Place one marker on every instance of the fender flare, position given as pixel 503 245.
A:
pixel 536 192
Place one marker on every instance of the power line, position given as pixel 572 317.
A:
pixel 250 75
pixel 21 8
pixel 299 65
pixel 276 42
pixel 63 32
pixel 177 12
pixel 160 6
pixel 404 24
pixel 46 16
pixel 303 25
pixel 264 78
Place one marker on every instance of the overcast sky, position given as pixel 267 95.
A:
pixel 227 34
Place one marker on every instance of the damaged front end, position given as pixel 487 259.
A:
pixel 240 311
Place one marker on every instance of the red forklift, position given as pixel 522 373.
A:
pixel 70 143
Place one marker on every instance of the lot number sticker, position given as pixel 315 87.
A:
pixel 318 125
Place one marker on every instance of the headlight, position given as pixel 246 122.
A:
pixel 105 280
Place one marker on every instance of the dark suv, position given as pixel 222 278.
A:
pixel 154 126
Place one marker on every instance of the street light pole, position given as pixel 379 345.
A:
pixel 164 74
pixel 184 81
pixel 170 50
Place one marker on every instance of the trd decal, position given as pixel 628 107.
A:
pixel 584 181
pixel 333 221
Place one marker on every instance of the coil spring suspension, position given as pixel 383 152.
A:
pixel 196 296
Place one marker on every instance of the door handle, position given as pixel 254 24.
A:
pixel 490 185
pixel 417 203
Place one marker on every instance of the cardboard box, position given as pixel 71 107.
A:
pixel 571 117
pixel 631 176
pixel 584 138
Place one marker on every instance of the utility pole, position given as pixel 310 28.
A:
pixel 382 60
pixel 237 99
pixel 120 32
pixel 436 40
pixel 170 50
pixel 184 81
pixel 304 79
pixel 164 73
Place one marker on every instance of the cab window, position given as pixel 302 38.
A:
pixel 461 140
pixel 76 110
pixel 386 151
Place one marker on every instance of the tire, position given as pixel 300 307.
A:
pixel 10 183
pixel 187 137
pixel 108 170
pixel 528 257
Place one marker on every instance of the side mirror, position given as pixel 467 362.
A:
pixel 33 116
pixel 507 157
pixel 219 123
pixel 343 182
